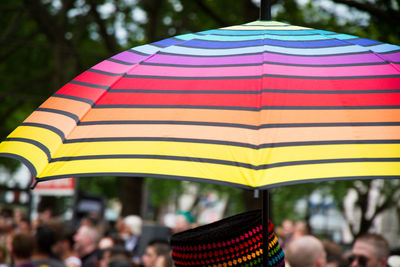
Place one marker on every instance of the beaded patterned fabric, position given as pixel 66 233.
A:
pixel 234 241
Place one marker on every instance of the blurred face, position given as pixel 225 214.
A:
pixel 82 240
pixel 149 258
pixel 288 227
pixel 181 224
pixel 364 255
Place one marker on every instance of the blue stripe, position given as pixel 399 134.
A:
pixel 363 41
pixel 168 42
pixel 310 44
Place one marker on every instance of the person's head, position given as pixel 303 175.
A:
pixel 115 256
pixel 133 225
pixel 45 238
pixel 233 241
pixel 24 225
pixel 66 244
pixel 46 208
pixel 58 229
pixel 22 246
pixel 154 251
pixel 300 229
pixel 288 227
pixel 369 250
pixel 86 239
pixel 182 223
pixel 106 242
pixel 334 254
pixel 306 251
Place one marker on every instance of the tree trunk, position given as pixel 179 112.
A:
pixel 131 195
pixel 250 202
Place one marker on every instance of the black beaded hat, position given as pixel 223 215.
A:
pixel 233 241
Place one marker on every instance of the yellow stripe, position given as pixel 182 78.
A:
pixel 28 151
pixel 153 166
pixel 48 138
pixel 331 170
pixel 224 173
pixel 230 153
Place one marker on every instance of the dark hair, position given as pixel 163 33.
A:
pixel 120 263
pixel 47 203
pixel 45 239
pixel 161 246
pixel 22 245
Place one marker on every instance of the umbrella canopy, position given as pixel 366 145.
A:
pixel 254 106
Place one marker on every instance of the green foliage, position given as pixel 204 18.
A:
pixel 108 187
pixel 163 191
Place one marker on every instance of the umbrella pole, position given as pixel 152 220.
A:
pixel 265 223
pixel 265 10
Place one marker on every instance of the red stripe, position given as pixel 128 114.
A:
pixel 81 91
pixel 255 84
pixel 240 100
pixel 96 78
pixel 334 84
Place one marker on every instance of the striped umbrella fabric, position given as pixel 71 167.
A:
pixel 253 106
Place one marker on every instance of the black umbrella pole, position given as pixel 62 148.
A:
pixel 265 223
pixel 265 10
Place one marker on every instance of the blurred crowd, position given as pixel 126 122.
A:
pixel 90 242
pixel 93 242
pixel 305 250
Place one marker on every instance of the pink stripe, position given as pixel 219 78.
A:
pixel 271 57
pixel 129 57
pixel 112 67
pixel 270 69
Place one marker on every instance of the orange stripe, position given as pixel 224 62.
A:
pixel 244 117
pixel 63 123
pixel 76 107
pixel 275 135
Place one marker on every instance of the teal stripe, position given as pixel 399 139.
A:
pixel 267 48
pixel 256 32
pixel 228 38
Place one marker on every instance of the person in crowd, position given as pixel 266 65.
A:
pixel 3 256
pixel 23 225
pixel 116 256
pixel 46 211
pixel 300 229
pixel 106 242
pixel 158 252
pixel 45 239
pixel 286 232
pixel 233 241
pixel 306 251
pixel 22 246
pixel 183 222
pixel 6 230
pixel 131 232
pixel 66 248
pixel 334 254
pixel 86 239
pixel 369 250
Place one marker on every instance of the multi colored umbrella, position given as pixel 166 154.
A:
pixel 254 106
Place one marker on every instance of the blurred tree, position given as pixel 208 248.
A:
pixel 373 197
